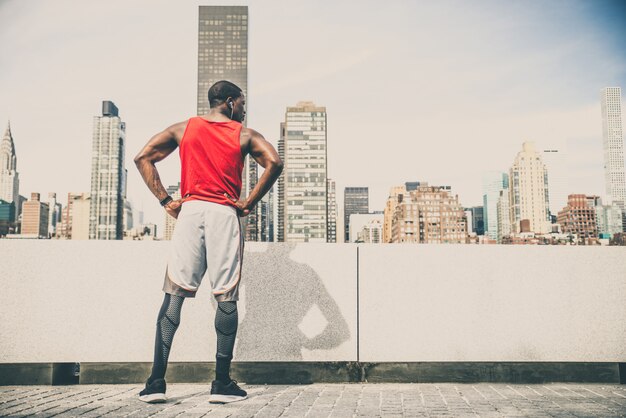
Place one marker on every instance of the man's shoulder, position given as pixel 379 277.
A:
pixel 177 130
pixel 249 132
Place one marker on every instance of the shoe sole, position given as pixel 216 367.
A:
pixel 226 398
pixel 153 398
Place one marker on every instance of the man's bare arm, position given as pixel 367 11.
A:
pixel 263 153
pixel 158 147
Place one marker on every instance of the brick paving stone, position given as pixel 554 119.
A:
pixel 239 414
pixel 324 400
pixel 319 413
pixel 40 404
pixel 269 412
pixel 82 402
pixel 18 397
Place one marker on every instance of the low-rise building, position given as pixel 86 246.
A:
pixel 429 214
pixel 35 217
pixel 7 218
pixel 371 233
pixel 579 216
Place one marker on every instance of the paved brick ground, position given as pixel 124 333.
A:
pixel 324 400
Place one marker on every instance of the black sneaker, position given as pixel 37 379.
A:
pixel 154 392
pixel 225 393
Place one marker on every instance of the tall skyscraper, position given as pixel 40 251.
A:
pixel 355 201
pixel 265 219
pixel 556 161
pixel 331 193
pixel 35 217
pixel 9 177
pixel 613 145
pixel 493 183
pixel 271 224
pixel 279 207
pixel 108 175
pixel 251 222
pixel 170 221
pixel 222 49
pixel 305 201
pixel 503 215
pixel 223 55
pixel 528 191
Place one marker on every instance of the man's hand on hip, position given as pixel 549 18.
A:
pixel 173 208
pixel 242 205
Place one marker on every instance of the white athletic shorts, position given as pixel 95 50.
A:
pixel 207 239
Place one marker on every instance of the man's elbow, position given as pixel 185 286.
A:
pixel 278 165
pixel 139 159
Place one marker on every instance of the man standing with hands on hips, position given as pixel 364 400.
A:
pixel 208 237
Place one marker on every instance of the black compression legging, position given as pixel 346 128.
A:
pixel 226 320
pixel 167 324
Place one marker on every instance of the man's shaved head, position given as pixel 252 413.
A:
pixel 222 90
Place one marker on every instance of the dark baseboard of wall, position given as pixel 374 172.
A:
pixel 38 374
pixel 496 372
pixel 26 374
pixel 203 372
pixel 319 372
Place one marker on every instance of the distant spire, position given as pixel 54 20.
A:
pixel 7 147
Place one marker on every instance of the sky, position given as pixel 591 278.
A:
pixel 440 92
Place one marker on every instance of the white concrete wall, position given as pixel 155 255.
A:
pixel 91 301
pixel 492 303
pixel 97 301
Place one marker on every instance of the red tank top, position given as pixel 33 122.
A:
pixel 211 161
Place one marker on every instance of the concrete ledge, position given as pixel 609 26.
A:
pixel 202 372
pixel 321 372
pixel 496 372
pixel 37 374
pixel 297 372
pixel 26 374
pixel 118 373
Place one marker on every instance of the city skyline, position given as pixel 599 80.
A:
pixel 513 105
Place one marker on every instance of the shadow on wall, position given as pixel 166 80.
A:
pixel 278 295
